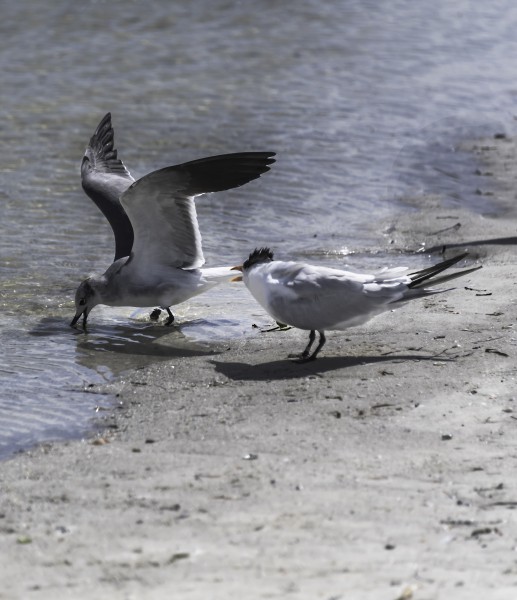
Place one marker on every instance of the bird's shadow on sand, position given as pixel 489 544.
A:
pixel 290 369
pixel 441 248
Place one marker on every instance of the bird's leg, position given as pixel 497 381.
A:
pixel 305 354
pixel 312 337
pixel 320 345
pixel 155 314
pixel 170 320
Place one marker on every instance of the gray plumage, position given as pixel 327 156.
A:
pixel 320 298
pixel 105 178
pixel 158 256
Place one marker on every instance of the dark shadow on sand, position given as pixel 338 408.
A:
pixel 442 248
pixel 290 369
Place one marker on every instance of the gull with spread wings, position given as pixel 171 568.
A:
pixel 158 255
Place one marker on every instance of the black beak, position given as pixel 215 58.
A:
pixel 84 314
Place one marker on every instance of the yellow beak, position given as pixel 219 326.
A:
pixel 239 277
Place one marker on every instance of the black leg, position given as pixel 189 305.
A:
pixel 170 320
pixel 305 354
pixel 312 337
pixel 320 345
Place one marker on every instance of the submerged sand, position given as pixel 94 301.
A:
pixel 383 470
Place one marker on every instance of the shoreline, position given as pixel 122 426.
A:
pixel 385 469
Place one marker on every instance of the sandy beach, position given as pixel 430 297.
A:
pixel 383 470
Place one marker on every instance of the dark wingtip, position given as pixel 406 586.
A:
pixel 223 172
pixel 104 127
pixel 106 118
pixel 270 158
pixel 418 278
pixel 101 152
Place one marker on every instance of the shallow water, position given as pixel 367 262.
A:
pixel 364 102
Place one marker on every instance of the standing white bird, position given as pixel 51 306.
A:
pixel 320 298
pixel 158 254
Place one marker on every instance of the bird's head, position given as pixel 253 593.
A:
pixel 258 256
pixel 85 299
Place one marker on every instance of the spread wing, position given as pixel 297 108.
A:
pixel 104 178
pixel 162 210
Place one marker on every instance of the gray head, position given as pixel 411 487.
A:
pixel 85 299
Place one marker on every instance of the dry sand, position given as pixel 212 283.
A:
pixel 384 470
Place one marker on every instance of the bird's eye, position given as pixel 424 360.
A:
pixel 82 302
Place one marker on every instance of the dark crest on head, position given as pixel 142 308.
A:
pixel 259 255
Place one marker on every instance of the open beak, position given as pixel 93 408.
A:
pixel 238 277
pixel 78 314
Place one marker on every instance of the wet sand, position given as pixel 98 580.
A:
pixel 385 469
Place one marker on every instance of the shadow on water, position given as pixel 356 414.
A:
pixel 121 347
pixel 289 369
pixel 53 376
